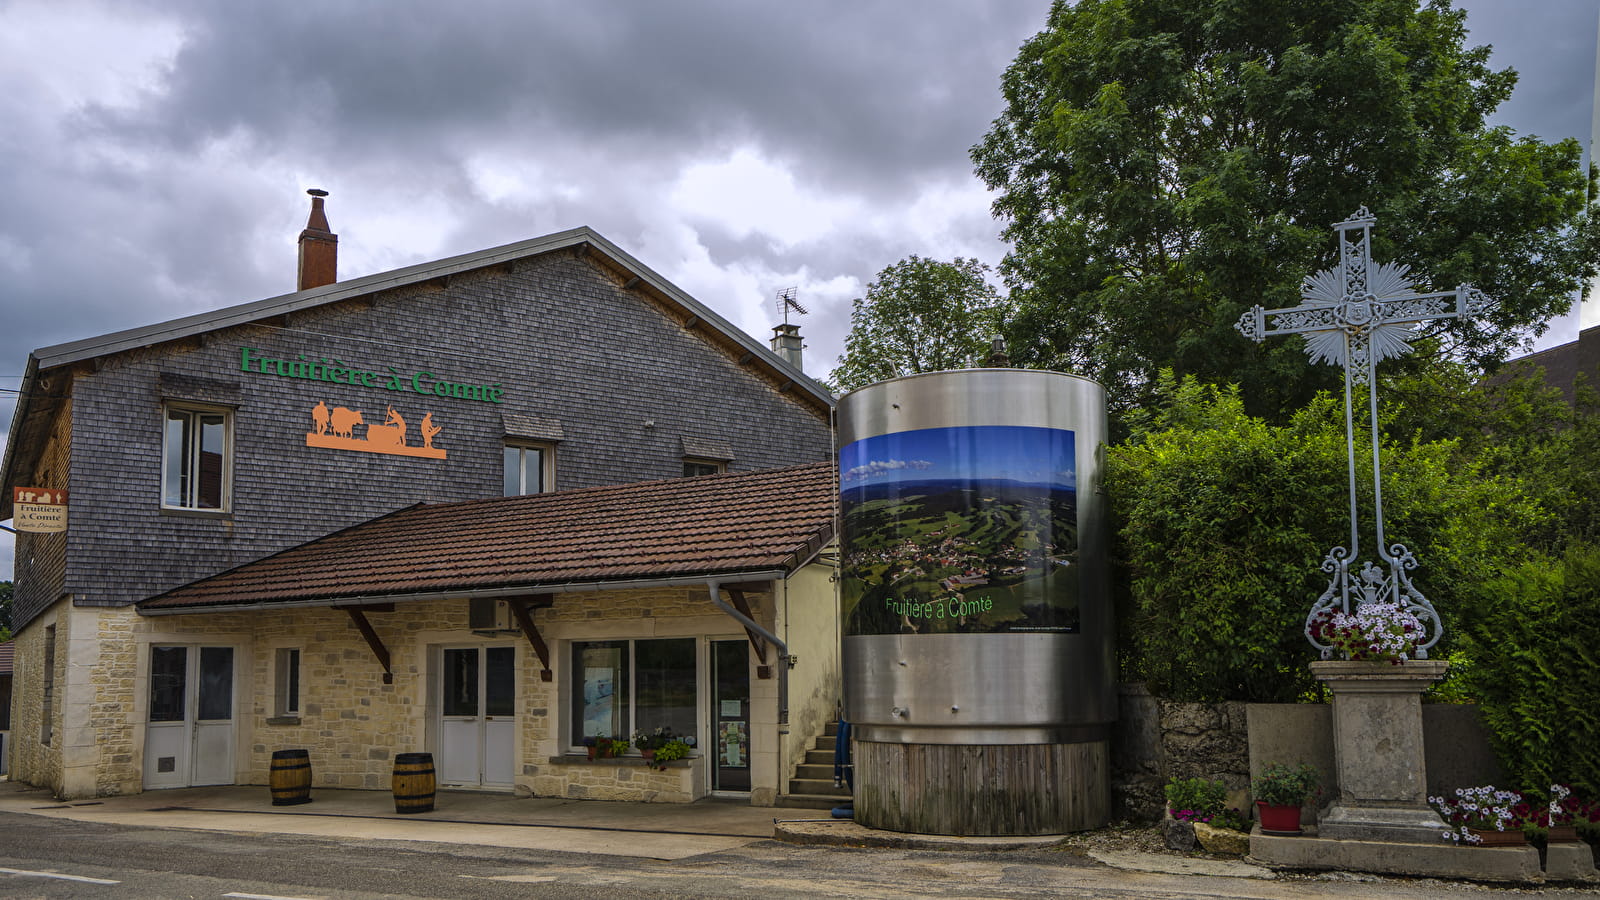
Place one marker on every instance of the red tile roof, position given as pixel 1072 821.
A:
pixel 713 526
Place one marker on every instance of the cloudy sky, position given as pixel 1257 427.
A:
pixel 154 155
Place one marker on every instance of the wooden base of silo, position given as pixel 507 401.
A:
pixel 992 789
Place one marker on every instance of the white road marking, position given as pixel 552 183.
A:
pixel 266 897
pixel 57 875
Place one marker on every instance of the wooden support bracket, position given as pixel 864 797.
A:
pixel 378 649
pixel 523 611
pixel 756 640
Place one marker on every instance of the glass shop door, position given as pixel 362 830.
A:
pixel 730 715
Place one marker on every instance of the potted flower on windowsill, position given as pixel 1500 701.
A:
pixel 1280 791
pixel 1480 815
pixel 1375 632
pixel 591 743
pixel 649 742
pixel 669 751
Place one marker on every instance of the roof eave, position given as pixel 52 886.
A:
pixel 522 590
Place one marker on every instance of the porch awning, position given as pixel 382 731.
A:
pixel 740 526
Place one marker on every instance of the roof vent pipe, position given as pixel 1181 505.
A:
pixel 319 247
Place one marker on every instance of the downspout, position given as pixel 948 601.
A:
pixel 783 662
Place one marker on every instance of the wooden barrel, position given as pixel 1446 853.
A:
pixel 291 777
pixel 413 782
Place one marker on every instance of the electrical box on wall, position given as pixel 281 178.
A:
pixel 488 615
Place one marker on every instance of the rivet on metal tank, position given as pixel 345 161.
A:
pixel 974 579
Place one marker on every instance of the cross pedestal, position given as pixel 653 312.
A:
pixel 1377 751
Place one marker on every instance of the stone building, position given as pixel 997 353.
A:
pixel 560 364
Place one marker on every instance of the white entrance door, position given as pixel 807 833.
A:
pixel 190 734
pixel 478 725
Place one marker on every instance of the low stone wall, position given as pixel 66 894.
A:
pixel 626 779
pixel 1155 740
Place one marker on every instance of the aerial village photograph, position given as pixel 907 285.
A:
pixel 1035 448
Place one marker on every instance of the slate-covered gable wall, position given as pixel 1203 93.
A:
pixel 559 335
pixel 40 567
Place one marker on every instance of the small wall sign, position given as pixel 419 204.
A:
pixel 39 510
pixel 336 429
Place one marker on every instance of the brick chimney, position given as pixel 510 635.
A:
pixel 319 247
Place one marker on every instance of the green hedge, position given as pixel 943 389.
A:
pixel 1222 522
pixel 1534 637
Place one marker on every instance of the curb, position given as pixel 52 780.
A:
pixel 845 833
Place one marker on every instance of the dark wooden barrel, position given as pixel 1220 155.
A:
pixel 291 777
pixel 413 782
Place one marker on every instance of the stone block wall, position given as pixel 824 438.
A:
pixel 352 723
pixel 31 761
pixel 1155 740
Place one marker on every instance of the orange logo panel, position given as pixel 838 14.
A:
pixel 335 429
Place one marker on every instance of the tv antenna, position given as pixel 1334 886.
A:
pixel 787 301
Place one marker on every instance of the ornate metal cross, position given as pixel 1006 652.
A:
pixel 1357 314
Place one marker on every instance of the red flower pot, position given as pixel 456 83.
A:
pixel 1283 820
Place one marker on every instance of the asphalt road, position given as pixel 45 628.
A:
pixel 49 857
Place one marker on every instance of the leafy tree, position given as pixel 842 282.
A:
pixel 920 315
pixel 6 588
pixel 1163 165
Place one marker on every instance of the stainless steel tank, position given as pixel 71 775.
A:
pixel 974 585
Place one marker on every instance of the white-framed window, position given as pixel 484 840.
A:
pixel 693 466
pixel 623 687
pixel 286 683
pixel 529 468
pixel 195 458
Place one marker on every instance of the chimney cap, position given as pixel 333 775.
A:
pixel 317 192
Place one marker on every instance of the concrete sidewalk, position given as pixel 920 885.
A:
pixel 646 830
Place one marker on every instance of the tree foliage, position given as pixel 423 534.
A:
pixel 920 315
pixel 1221 520
pixel 6 592
pixel 1164 165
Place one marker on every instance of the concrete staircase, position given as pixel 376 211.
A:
pixel 812 787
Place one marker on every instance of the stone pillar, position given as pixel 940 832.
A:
pixel 1377 750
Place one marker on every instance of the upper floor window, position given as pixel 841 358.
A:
pixel 528 469
pixel 194 472
pixel 692 467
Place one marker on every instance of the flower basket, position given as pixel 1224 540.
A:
pixel 1278 820
pixel 1488 837
pixel 1562 834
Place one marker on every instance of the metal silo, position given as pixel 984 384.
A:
pixel 978 665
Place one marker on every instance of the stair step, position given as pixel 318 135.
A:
pixel 810 801
pixel 819 758
pixel 820 786
pixel 814 770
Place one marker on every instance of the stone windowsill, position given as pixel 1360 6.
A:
pixel 574 759
pixel 283 720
